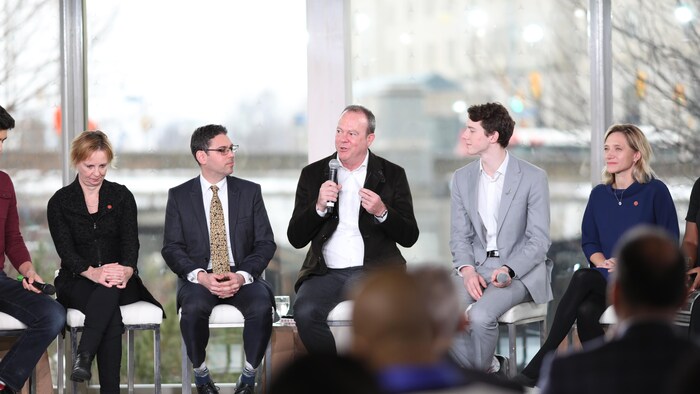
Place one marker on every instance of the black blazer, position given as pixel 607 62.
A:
pixel 643 360
pixel 186 238
pixel 83 240
pixel 386 179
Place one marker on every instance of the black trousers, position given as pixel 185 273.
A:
pixel 583 302
pixel 694 326
pixel 196 302
pixel 317 296
pixel 102 333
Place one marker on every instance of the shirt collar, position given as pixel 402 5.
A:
pixel 362 166
pixel 205 185
pixel 501 169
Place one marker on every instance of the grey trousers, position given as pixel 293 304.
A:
pixel 476 346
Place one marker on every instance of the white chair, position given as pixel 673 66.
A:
pixel 609 317
pixel 222 316
pixel 140 315
pixel 340 321
pixel 527 312
pixel 11 327
pixel 524 313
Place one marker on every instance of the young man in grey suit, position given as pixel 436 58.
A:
pixel 499 225
pixel 218 241
pixel 643 354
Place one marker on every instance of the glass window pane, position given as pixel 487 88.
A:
pixel 419 65
pixel 420 74
pixel 159 69
pixel 655 49
pixel 30 92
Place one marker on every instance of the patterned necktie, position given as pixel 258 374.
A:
pixel 217 235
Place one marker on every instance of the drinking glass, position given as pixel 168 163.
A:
pixel 282 305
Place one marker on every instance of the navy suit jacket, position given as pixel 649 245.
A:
pixel 186 237
pixel 643 360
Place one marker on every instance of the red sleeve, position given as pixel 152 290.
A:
pixel 11 242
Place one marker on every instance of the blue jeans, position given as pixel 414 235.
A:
pixel 44 318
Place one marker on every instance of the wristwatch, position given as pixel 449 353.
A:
pixel 383 215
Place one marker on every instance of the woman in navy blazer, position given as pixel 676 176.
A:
pixel 94 228
pixel 630 195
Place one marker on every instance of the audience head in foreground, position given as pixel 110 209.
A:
pixel 391 323
pixel 650 280
pixel 403 325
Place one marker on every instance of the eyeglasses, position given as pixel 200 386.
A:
pixel 224 150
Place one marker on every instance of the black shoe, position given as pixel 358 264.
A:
pixel 242 388
pixel 503 366
pixel 524 380
pixel 7 390
pixel 208 388
pixel 81 367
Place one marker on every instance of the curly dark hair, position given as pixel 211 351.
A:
pixel 494 117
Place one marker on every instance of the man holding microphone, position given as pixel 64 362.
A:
pixel 353 223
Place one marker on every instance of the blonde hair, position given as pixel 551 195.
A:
pixel 87 143
pixel 641 170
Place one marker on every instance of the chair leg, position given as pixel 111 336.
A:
pixel 267 378
pixel 524 344
pixel 32 382
pixel 543 331
pixel 60 348
pixel 156 355
pixel 186 384
pixel 74 353
pixel 130 360
pixel 512 364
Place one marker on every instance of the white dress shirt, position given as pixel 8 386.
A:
pixel 490 191
pixel 345 248
pixel 207 195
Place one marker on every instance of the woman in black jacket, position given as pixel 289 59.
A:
pixel 94 228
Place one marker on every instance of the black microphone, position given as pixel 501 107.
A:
pixel 332 176
pixel 502 277
pixel 45 288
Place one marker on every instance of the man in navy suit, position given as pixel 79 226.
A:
pixel 187 251
pixel 644 354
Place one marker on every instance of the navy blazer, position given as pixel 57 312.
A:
pixel 643 360
pixel 386 179
pixel 186 237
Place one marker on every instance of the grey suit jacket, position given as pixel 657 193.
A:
pixel 523 224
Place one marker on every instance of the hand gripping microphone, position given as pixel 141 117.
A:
pixel 332 176
pixel 45 288
pixel 502 277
